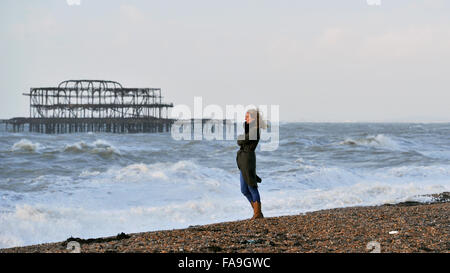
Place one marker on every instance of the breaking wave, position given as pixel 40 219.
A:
pixel 154 182
pixel 192 204
pixel 24 145
pixel 100 147
pixel 379 140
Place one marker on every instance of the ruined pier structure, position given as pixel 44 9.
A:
pixel 94 106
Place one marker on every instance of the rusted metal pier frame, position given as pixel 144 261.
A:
pixel 106 125
pixel 94 106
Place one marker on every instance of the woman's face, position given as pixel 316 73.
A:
pixel 248 118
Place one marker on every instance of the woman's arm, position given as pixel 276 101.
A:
pixel 246 139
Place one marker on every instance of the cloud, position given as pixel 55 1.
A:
pixel 73 2
pixel 332 37
pixel 408 43
pixel 34 26
pixel 131 14
pixel 313 59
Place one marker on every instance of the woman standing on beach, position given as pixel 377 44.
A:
pixel 246 160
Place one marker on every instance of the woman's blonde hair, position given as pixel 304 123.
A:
pixel 256 114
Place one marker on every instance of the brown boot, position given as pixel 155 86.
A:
pixel 257 214
pixel 253 206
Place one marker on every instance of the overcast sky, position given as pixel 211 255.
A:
pixel 321 60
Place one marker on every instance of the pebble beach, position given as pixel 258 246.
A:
pixel 408 227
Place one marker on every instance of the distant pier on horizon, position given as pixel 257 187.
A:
pixel 94 106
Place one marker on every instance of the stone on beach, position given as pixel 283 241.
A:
pixel 419 228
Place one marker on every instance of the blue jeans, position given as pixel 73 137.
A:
pixel 250 192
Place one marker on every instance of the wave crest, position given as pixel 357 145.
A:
pixel 379 140
pixel 24 145
pixel 100 147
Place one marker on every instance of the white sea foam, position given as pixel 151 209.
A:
pixel 29 224
pixel 178 180
pixel 379 140
pixel 99 146
pixel 291 202
pixel 103 146
pixel 24 145
pixel 76 147
pixel 87 173
pixel 151 182
pixel 138 172
pixel 39 223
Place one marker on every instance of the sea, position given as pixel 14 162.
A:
pixel 89 185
